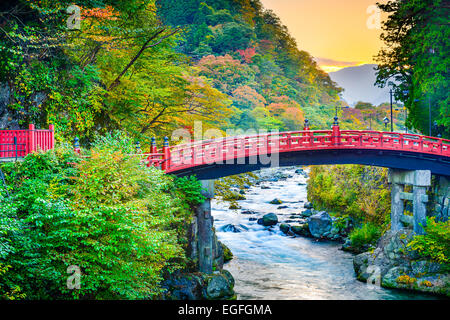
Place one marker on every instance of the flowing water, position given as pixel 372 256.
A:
pixel 270 265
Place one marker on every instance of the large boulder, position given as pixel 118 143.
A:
pixel 183 287
pixel 320 224
pixel 219 286
pixel 301 230
pixel 268 220
pixel 307 213
pixel 308 205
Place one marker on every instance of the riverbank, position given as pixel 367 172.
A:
pixel 268 264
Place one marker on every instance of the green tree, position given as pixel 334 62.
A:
pixel 416 56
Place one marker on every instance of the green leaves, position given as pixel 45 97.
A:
pixel 359 191
pixel 191 188
pixel 435 244
pixel 416 55
pixel 123 224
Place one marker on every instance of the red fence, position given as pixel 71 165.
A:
pixel 175 158
pixel 19 143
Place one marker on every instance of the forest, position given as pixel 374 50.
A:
pixel 148 67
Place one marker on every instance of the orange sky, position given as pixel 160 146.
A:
pixel 334 31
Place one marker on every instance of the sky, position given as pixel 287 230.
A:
pixel 338 33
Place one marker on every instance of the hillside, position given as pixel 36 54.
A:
pixel 247 53
pixel 359 85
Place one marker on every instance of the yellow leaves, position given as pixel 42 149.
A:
pixel 406 280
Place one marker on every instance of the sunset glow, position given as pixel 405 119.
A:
pixel 338 34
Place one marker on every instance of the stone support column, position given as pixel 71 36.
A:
pixel 205 229
pixel 397 206
pixel 420 180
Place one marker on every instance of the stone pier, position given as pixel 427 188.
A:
pixel 205 229
pixel 420 180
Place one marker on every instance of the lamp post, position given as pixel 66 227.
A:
pixel 386 121
pixel 391 94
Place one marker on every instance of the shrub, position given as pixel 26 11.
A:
pixel 360 192
pixel 123 224
pixel 435 244
pixel 368 234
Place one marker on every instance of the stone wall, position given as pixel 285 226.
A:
pixel 439 195
pixel 205 278
pixel 192 284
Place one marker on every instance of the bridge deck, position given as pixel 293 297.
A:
pixel 328 143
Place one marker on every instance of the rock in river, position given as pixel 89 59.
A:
pixel 301 230
pixel 320 224
pixel 268 220
pixel 233 228
pixel 285 228
pixel 307 213
pixel 276 201
pixel 308 205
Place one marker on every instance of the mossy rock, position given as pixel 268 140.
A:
pixel 276 201
pixel 227 254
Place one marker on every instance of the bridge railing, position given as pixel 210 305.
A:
pixel 19 143
pixel 222 150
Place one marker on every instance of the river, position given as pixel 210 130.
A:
pixel 270 265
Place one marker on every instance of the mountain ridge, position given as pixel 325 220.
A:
pixel 358 83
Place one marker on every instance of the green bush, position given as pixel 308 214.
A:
pixel 435 244
pixel 360 192
pixel 368 234
pixel 123 224
pixel 191 188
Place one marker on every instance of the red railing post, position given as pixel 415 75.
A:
pixel 306 128
pixel 166 155
pixel 31 139
pixel 51 127
pixel 153 147
pixel 336 135
pixel 153 150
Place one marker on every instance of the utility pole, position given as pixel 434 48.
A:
pixel 406 119
pixel 429 113
pixel 392 117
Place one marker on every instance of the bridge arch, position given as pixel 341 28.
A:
pixel 218 158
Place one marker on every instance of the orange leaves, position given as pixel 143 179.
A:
pixel 106 13
pixel 288 111
pixel 248 97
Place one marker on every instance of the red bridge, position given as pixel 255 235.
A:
pixel 228 156
pixel 211 159
pixel 16 144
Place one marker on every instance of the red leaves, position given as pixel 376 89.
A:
pixel 247 54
